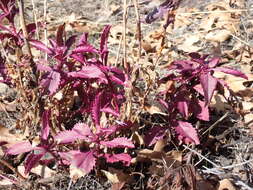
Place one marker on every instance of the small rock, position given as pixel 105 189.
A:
pixel 4 88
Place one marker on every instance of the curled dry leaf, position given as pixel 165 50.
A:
pixel 172 158
pixel 117 177
pixel 226 184
pixel 218 35
pixel 190 44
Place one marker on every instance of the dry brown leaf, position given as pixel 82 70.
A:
pixel 147 155
pixel 6 182
pixel 42 171
pixel 160 144
pixel 219 21
pixel 76 173
pixel 117 186
pixel 225 184
pixel 248 118
pixel 11 139
pixel 114 9
pixel 171 158
pixel 147 47
pixel 137 138
pixel 219 103
pixel 235 83
pixel 9 107
pixel 154 109
pixel 116 31
pixel 156 35
pixel 117 177
pixel 183 177
pixel 184 20
pixel 190 43
pixel 218 35
pixel 202 184
pixel 112 177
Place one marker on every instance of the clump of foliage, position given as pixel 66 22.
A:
pixel 191 85
pixel 83 71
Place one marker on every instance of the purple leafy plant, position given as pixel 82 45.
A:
pixel 100 88
pixel 37 154
pixel 97 141
pixel 195 87
pixel 161 10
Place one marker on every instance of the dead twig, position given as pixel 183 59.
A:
pixel 3 162
pixel 23 26
pixel 200 155
pixel 35 19
pixel 45 29
pixel 217 12
pixel 126 66
pixel 138 21
pixel 216 123
pixel 25 33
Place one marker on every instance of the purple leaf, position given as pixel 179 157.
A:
pixel 66 157
pixel 231 71
pixel 83 130
pixel 20 148
pixel 111 111
pixel 67 136
pixel 53 43
pixel 77 57
pixel 195 55
pixel 116 75
pixel 155 14
pixel 31 161
pixel 2 143
pixel 112 158
pixel 85 49
pixel 45 124
pixel 52 82
pixel 70 41
pixel 31 28
pixel 96 108
pixel 42 67
pixel 106 131
pixel 186 132
pixel 159 12
pixel 214 62
pixel 182 103
pixel 163 103
pixel 118 142
pixel 184 65
pixel 103 44
pixel 89 72
pixel 153 135
pixel 104 38
pixel 208 83
pixel 9 8
pixel 84 39
pixel 79 131
pixel 200 110
pixel 199 89
pixel 84 161
pixel 41 46
pixel 10 32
